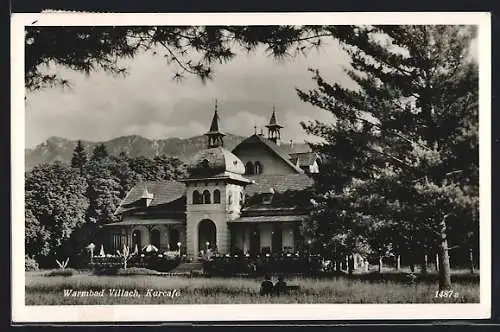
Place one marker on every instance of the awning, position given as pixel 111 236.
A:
pixel 261 219
pixel 139 222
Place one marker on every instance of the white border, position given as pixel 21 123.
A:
pixel 245 312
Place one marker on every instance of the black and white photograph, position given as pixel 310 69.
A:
pixel 250 167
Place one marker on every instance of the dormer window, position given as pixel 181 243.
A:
pixel 267 197
pixel 204 163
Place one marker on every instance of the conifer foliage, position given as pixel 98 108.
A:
pixel 79 158
pixel 402 156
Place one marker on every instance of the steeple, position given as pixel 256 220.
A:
pixel 273 128
pixel 214 134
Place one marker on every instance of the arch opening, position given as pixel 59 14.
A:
pixel 207 235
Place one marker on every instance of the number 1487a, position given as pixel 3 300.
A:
pixel 446 294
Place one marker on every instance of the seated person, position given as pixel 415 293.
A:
pixel 266 287
pixel 280 287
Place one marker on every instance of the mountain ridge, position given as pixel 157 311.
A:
pixel 57 148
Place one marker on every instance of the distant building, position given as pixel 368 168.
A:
pixel 248 200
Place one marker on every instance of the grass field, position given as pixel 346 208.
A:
pixel 44 290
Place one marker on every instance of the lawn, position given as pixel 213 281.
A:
pixel 45 290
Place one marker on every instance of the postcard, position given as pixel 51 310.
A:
pixel 250 167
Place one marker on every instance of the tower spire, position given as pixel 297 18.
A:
pixel 214 134
pixel 273 128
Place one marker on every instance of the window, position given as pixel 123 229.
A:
pixel 229 199
pixel 155 238
pixel 258 168
pixel 249 168
pixel 216 196
pixel 206 197
pixel 241 199
pixel 196 197
pixel 267 198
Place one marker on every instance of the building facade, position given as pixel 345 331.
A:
pixel 249 200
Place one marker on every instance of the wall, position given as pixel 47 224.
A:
pixel 126 233
pixel 242 236
pixel 219 213
pixel 272 164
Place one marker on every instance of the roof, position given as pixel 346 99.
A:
pixel 273 123
pixel 280 183
pixel 214 161
pixel 221 176
pixel 260 219
pixel 303 158
pixel 162 192
pixel 214 126
pixel 138 222
pixel 291 149
pixel 292 194
pixel 257 139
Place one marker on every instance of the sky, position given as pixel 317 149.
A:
pixel 147 102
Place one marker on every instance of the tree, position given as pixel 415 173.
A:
pixel 99 152
pixel 55 206
pixel 194 50
pixel 79 158
pixel 103 192
pixel 417 106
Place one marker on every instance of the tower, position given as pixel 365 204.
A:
pixel 215 136
pixel 273 128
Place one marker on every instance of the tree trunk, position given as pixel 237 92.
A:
pixel 444 259
pixel 380 264
pixel 125 264
pixel 350 265
pixel 471 261
pixel 398 263
pixel 437 263
pixel 424 265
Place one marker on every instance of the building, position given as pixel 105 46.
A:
pixel 249 200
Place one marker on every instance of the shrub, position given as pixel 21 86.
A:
pixel 30 264
pixel 135 271
pixel 61 273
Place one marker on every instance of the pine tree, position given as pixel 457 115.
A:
pixel 79 158
pixel 417 105
pixel 100 152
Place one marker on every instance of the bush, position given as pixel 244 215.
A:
pixel 30 264
pixel 136 271
pixel 60 273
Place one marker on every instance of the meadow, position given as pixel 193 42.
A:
pixel 44 290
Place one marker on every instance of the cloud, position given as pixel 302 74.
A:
pixel 148 102
pixel 157 130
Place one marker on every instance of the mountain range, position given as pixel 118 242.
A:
pixel 61 149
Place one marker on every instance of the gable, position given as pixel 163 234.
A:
pixel 259 149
